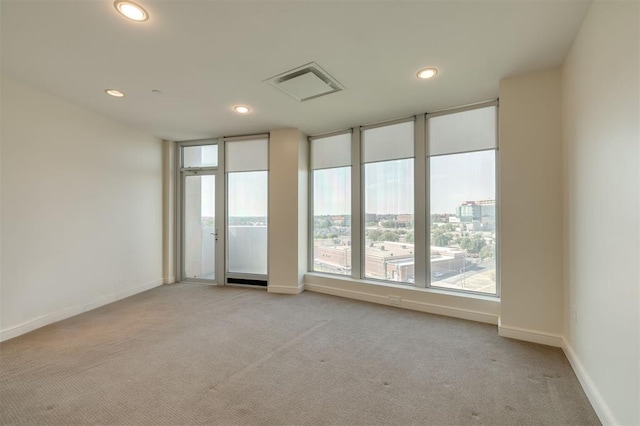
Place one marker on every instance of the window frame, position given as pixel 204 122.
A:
pixel 240 275
pixel 428 276
pixel 361 197
pixel 179 206
pixel 310 216
pixel 422 208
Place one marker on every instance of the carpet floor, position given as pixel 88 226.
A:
pixel 194 354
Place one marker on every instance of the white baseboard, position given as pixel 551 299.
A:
pixel 533 336
pixel 599 405
pixel 406 303
pixel 168 280
pixel 281 289
pixel 43 320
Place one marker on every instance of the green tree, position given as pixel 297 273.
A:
pixel 374 234
pixel 442 239
pixel 488 252
pixel 474 244
pixel 409 237
pixel 389 236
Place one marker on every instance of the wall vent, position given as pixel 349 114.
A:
pixel 242 281
pixel 309 81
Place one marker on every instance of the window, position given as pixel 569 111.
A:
pixel 388 188
pixel 200 215
pixel 462 182
pixel 199 227
pixel 247 190
pixel 200 156
pixel 331 205
pixel 416 205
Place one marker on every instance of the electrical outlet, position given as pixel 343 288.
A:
pixel 393 300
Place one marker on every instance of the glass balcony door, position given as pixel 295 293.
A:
pixel 200 231
pixel 201 213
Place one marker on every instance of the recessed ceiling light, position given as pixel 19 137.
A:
pixel 115 93
pixel 242 109
pixel 131 10
pixel 427 73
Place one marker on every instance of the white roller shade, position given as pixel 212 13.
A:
pixel 247 155
pixel 332 151
pixel 471 130
pixel 388 142
pixel 200 156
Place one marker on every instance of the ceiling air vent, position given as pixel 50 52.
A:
pixel 306 82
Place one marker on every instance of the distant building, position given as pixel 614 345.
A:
pixel 445 260
pixel 481 214
pixel 442 218
pixel 370 217
pixel 386 260
pixel 332 258
pixel 390 261
pixel 404 218
pixel 340 220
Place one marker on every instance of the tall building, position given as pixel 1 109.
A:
pixel 479 212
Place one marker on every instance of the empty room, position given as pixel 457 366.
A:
pixel 320 212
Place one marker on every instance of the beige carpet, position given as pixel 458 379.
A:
pixel 194 354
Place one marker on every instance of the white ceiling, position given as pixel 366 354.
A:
pixel 206 56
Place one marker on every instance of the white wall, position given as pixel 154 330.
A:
pixel 531 207
pixel 288 201
pixel 81 210
pixel 602 190
pixel 168 212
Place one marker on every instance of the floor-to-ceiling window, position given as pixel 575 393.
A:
pixel 454 177
pixel 247 175
pixel 388 213
pixel 462 149
pixel 331 203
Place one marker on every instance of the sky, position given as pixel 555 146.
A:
pixel 461 177
pixel 389 185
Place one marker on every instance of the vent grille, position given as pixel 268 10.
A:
pixel 243 281
pixel 307 82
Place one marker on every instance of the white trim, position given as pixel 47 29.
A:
pixel 168 280
pixel 414 305
pixel 329 134
pixel 43 320
pixel 595 398
pixel 533 336
pixel 241 138
pixel 388 123
pixel 464 108
pixel 281 289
